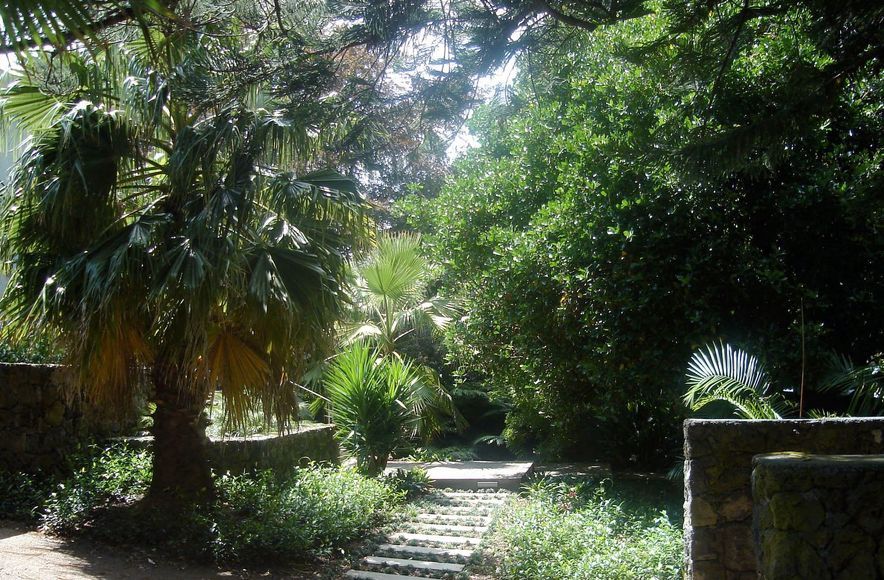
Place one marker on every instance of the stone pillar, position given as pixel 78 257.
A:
pixel 718 490
pixel 819 516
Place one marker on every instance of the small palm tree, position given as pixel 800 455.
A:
pixel 379 403
pixel 389 295
pixel 723 373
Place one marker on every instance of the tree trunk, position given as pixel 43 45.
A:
pixel 181 473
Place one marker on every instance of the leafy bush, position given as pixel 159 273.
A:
pixel 35 350
pixel 260 517
pixel 412 483
pixel 563 531
pixel 22 495
pixel 102 477
pixel 449 453
pixel 257 517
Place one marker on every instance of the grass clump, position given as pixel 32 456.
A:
pixel 564 531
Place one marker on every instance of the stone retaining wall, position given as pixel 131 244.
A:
pixel 819 516
pixel 718 490
pixel 305 444
pixel 37 427
pixel 308 443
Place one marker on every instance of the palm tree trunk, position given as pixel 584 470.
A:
pixel 181 473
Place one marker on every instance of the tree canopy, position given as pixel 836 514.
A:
pixel 617 215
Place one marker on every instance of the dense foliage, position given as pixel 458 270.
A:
pixel 595 249
pixel 575 532
pixel 256 518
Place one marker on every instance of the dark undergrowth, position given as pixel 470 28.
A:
pixel 262 518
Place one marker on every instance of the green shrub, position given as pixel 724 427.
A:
pixel 260 517
pixel 579 533
pixel 257 517
pixel 412 483
pixel 34 350
pixel 102 477
pixel 22 495
pixel 449 453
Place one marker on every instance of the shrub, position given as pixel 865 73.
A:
pixel 38 349
pixel 575 532
pixel 102 477
pixel 260 517
pixel 22 495
pixel 257 517
pixel 412 483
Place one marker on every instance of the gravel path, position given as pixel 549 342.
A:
pixel 29 555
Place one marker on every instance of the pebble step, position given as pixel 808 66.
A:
pixel 423 551
pixel 409 537
pixel 473 495
pixel 450 517
pixel 415 564
pixel 366 575
pixel 451 528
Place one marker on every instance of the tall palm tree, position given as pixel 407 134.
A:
pixel 157 220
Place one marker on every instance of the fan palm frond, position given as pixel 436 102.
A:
pixel 723 373
pixel 863 384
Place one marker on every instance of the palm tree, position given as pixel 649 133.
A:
pixel 389 298
pixel 379 398
pixel 378 404
pixel 157 220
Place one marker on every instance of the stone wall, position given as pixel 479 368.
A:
pixel 308 443
pixel 718 489
pixel 37 427
pixel 819 516
pixel 305 444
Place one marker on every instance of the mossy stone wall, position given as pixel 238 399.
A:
pixel 38 427
pixel 308 443
pixel 819 516
pixel 718 454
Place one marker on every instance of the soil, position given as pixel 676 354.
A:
pixel 26 554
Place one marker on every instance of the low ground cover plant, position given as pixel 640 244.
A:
pixel 568 531
pixel 261 517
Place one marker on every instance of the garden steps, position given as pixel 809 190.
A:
pixel 436 542
pixel 425 552
pixel 417 564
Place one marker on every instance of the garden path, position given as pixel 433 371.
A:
pixel 473 475
pixel 437 542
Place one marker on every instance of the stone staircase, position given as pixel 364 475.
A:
pixel 437 542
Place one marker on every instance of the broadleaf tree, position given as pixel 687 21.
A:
pixel 593 257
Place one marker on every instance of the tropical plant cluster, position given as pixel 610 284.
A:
pixel 577 531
